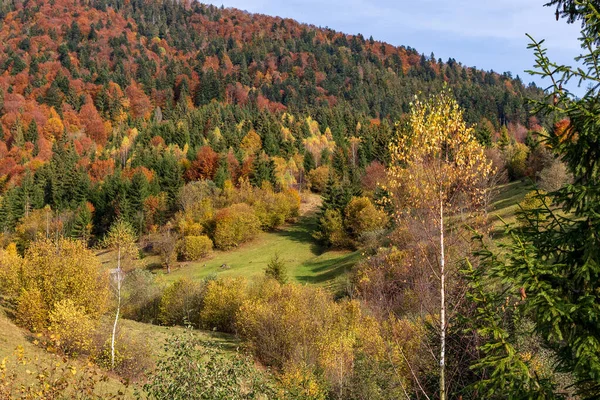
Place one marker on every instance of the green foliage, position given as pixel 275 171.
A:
pixel 331 229
pixel 142 296
pixel 276 269
pixel 200 370
pixel 554 258
pixel 56 378
pixel 180 303
pixel 516 160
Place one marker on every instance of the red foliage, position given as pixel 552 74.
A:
pixel 204 166
pixel 139 103
pixel 92 122
pixel 374 174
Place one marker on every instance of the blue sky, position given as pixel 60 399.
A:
pixel 482 33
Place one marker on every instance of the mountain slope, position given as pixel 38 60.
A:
pixel 94 92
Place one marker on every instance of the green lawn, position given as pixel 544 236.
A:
pixel 306 261
pixel 506 204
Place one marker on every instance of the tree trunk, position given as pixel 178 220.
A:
pixel 442 306
pixel 114 331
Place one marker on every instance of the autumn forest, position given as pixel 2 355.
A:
pixel 197 202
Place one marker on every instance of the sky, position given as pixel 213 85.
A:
pixel 478 33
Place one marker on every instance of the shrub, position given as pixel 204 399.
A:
pixel 533 201
pixel 375 174
pixel 70 328
pixel 10 264
pixel 332 231
pixel 274 209
pixel 57 270
pixel 301 330
pixel 554 176
pixel 304 382
pixel 31 310
pixel 50 377
pixel 193 248
pixel 516 160
pixel 194 370
pixel 235 225
pixel 362 216
pixel 133 354
pixel 141 296
pixel 222 300
pixel 317 178
pixel 180 303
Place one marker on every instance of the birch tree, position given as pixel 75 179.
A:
pixel 121 238
pixel 438 170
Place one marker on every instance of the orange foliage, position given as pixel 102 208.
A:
pixel 139 103
pixel 100 169
pixel 92 122
pixel 205 166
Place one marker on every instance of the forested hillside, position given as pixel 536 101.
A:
pixel 108 108
pixel 202 203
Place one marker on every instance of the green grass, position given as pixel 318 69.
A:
pixel 506 204
pixel 306 261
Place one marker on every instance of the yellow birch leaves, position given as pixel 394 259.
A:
pixel 438 157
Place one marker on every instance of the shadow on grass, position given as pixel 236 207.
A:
pixel 302 231
pixel 155 267
pixel 327 270
pixel 511 194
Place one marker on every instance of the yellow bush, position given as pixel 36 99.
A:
pixel 362 216
pixel 194 248
pixel 10 264
pixel 70 327
pixel 235 225
pixel 274 209
pixel 187 226
pixel 180 303
pixel 31 310
pixel 53 271
pixel 317 178
pixel 293 325
pixel 302 382
pixel 222 300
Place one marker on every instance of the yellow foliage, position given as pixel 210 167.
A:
pixel 32 310
pixel 222 300
pixel 53 271
pixel 439 157
pixel 292 325
pixel 70 327
pixel 301 382
pixel 362 216
pixel 251 143
pixel 54 127
pixel 10 265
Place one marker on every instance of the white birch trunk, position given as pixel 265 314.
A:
pixel 114 331
pixel 442 306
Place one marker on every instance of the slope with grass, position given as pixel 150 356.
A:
pixel 506 204
pixel 306 261
pixel 15 341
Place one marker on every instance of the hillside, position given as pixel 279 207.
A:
pixel 108 103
